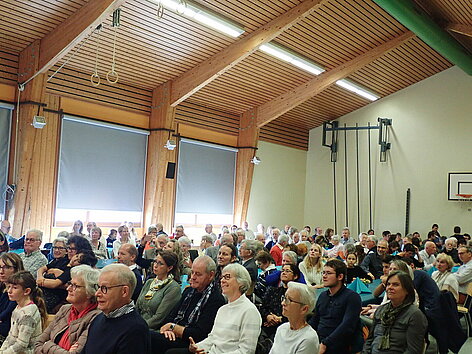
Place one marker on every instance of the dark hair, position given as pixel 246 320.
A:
pixel 457 229
pixel 264 257
pixel 406 282
pixel 360 253
pixel 408 260
pixel 171 260
pixel 393 244
pixel 234 250
pixel 4 247
pixel 88 257
pixel 81 243
pixel 409 248
pixel 435 225
pixel 328 231
pixel 388 258
pixel 113 231
pixel 12 260
pixel 307 227
pixel 385 233
pixel 416 241
pixel 292 247
pixel 294 269
pixel 339 267
pixel 370 230
pixel 24 279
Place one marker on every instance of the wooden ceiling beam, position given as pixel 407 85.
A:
pixel 274 108
pixel 466 30
pixel 207 71
pixel 60 41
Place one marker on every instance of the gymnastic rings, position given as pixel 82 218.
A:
pixel 95 79
pixel 112 77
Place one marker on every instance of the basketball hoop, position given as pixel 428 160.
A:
pixel 464 197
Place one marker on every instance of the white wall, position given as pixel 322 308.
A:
pixel 278 187
pixel 431 136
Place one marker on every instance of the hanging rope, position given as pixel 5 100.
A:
pixel 95 78
pixel 160 10
pixel 112 75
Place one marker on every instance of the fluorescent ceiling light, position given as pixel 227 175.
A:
pixel 356 88
pixel 291 57
pixel 204 16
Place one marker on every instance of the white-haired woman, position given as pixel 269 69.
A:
pixel 187 255
pixel 338 249
pixel 238 323
pixel 68 332
pixel 296 336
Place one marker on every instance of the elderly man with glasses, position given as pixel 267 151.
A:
pixel 32 258
pixel 119 328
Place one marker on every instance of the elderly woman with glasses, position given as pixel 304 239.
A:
pixel 296 336
pixel 238 323
pixel 68 332
pixel 159 295
pixel 10 263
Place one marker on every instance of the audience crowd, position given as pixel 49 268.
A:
pixel 276 290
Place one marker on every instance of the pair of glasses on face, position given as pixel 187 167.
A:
pixel 287 301
pixel 30 240
pixel 327 273
pixel 59 248
pixel 226 276
pixel 74 286
pixel 71 249
pixel 159 263
pixel 104 288
pixel 6 267
pixel 287 271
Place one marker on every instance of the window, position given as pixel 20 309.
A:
pixel 5 119
pixel 101 173
pixel 205 184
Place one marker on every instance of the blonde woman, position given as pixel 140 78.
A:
pixel 443 276
pixel 312 267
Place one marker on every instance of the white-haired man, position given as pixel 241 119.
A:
pixel 119 328
pixel 32 258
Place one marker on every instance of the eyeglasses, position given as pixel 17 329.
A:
pixel 327 273
pixel 226 276
pixel 6 267
pixel 30 240
pixel 159 263
pixel 287 271
pixel 71 249
pixel 287 301
pixel 59 248
pixel 104 289
pixel 74 286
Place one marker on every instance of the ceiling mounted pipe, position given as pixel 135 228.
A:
pixel 412 17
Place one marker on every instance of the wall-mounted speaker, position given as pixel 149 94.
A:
pixel 170 173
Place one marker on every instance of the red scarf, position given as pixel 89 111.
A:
pixel 74 314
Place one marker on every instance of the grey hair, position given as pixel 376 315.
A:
pixel 64 234
pixel 240 231
pixel 60 239
pixel 372 238
pixel 453 240
pixel 292 255
pixel 283 238
pixel 307 296
pixel 152 228
pixel 185 239
pixel 207 238
pixel 124 275
pixel 38 233
pixel 209 262
pixel 303 232
pixel 275 230
pixel 252 245
pixel 89 275
pixel 241 274
pixel 336 238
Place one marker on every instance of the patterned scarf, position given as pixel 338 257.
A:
pixel 157 285
pixel 388 320
pixel 195 314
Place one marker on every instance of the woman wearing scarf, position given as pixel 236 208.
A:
pixel 68 332
pixel 399 325
pixel 160 294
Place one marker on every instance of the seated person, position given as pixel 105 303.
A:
pixel 399 325
pixel 99 247
pixel 119 328
pixel 160 294
pixel 266 263
pixel 412 252
pixel 195 313
pixel 464 273
pixel 296 337
pixel 450 249
pixel 10 263
pixel 239 313
pixel 32 257
pixel 312 266
pixel 288 257
pixel 247 252
pixel 271 307
pixel 443 277
pixel 227 254
pixel 336 316
pixel 353 270
pixel 53 282
pixel 111 238
pixel 127 255
pixel 188 255
pixel 68 331
pixel 372 263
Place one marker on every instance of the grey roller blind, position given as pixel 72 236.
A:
pixel 205 178
pixel 5 118
pixel 101 166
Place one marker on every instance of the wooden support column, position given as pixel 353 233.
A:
pixel 247 144
pixel 37 153
pixel 159 196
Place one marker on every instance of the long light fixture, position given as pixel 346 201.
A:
pixel 291 57
pixel 358 89
pixel 202 15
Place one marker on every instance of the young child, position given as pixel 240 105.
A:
pixel 28 317
pixel 353 270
